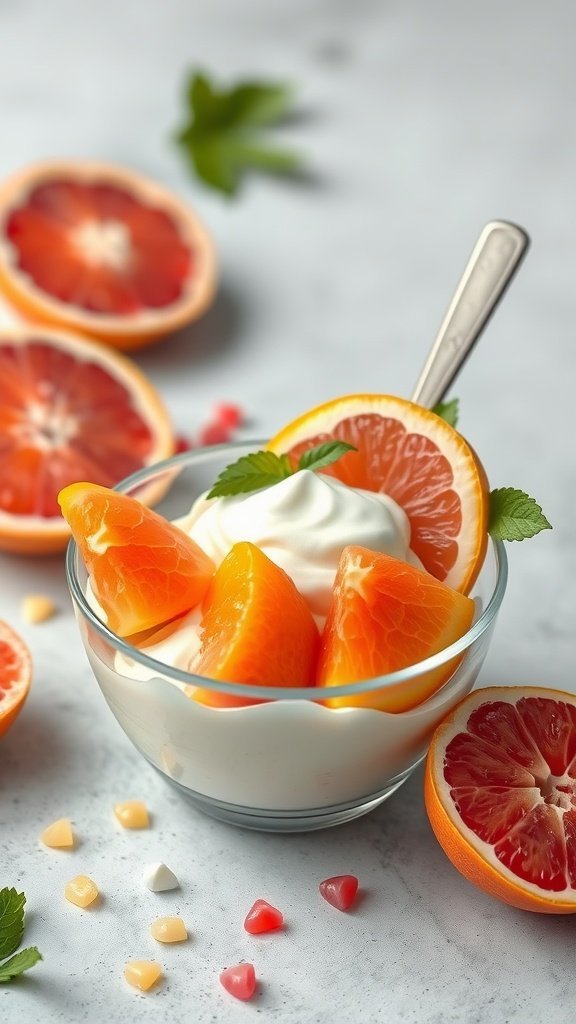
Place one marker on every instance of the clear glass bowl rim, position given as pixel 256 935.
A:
pixel 158 668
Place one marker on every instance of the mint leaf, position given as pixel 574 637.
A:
pixel 514 515
pixel 251 473
pixel 222 136
pixel 324 454
pixel 22 961
pixel 11 920
pixel 448 411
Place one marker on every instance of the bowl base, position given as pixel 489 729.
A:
pixel 286 821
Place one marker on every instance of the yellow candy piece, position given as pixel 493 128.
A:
pixel 58 835
pixel 132 814
pixel 81 891
pixel 168 929
pixel 142 974
pixel 37 608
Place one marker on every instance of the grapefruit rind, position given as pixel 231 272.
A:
pixel 469 477
pixel 31 534
pixel 471 856
pixel 124 332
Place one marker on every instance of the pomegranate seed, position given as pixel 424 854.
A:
pixel 339 891
pixel 239 981
pixel 215 433
pixel 183 444
pixel 262 917
pixel 228 414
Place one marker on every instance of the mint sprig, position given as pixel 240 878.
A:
pixel 222 138
pixel 448 411
pixel 514 515
pixel 263 469
pixel 11 932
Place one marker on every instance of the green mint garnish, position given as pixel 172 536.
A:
pixel 262 469
pixel 11 932
pixel 222 138
pixel 448 411
pixel 514 515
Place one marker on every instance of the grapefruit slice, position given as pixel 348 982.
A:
pixel 102 250
pixel 143 570
pixel 384 616
pixel 69 409
pixel 15 675
pixel 257 629
pixel 500 793
pixel 420 461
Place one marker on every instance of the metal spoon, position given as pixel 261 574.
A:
pixel 490 269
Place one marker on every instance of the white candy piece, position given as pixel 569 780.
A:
pixel 158 878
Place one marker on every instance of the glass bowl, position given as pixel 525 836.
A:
pixel 290 764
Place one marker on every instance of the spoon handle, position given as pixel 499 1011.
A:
pixel 492 265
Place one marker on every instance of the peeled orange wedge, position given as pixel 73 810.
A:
pixel 500 790
pixel 104 251
pixel 143 570
pixel 69 409
pixel 384 616
pixel 15 675
pixel 257 629
pixel 420 461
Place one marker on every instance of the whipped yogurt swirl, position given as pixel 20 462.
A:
pixel 302 524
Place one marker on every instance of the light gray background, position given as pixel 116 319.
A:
pixel 424 120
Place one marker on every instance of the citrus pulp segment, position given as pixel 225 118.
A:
pixel 384 616
pixel 143 570
pixel 15 675
pixel 500 791
pixel 103 250
pixel 69 409
pixel 420 461
pixel 257 629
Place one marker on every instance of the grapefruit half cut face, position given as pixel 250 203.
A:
pixel 69 410
pixel 501 794
pixel 102 250
pixel 15 675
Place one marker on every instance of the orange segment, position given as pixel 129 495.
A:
pixel 420 461
pixel 500 790
pixel 386 615
pixel 15 675
pixel 257 628
pixel 143 570
pixel 102 250
pixel 69 410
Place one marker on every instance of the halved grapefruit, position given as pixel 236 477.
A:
pixel 15 675
pixel 104 251
pixel 420 461
pixel 500 793
pixel 69 410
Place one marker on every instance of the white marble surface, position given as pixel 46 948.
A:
pixel 425 120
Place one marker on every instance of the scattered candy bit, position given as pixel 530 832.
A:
pixel 37 608
pixel 262 917
pixel 228 414
pixel 142 974
pixel 182 444
pixel 132 814
pixel 81 891
pixel 239 981
pixel 158 878
pixel 215 433
pixel 168 929
pixel 58 835
pixel 339 891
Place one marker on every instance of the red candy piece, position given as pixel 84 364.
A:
pixel 262 917
pixel 339 891
pixel 239 981
pixel 215 433
pixel 228 415
pixel 183 444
